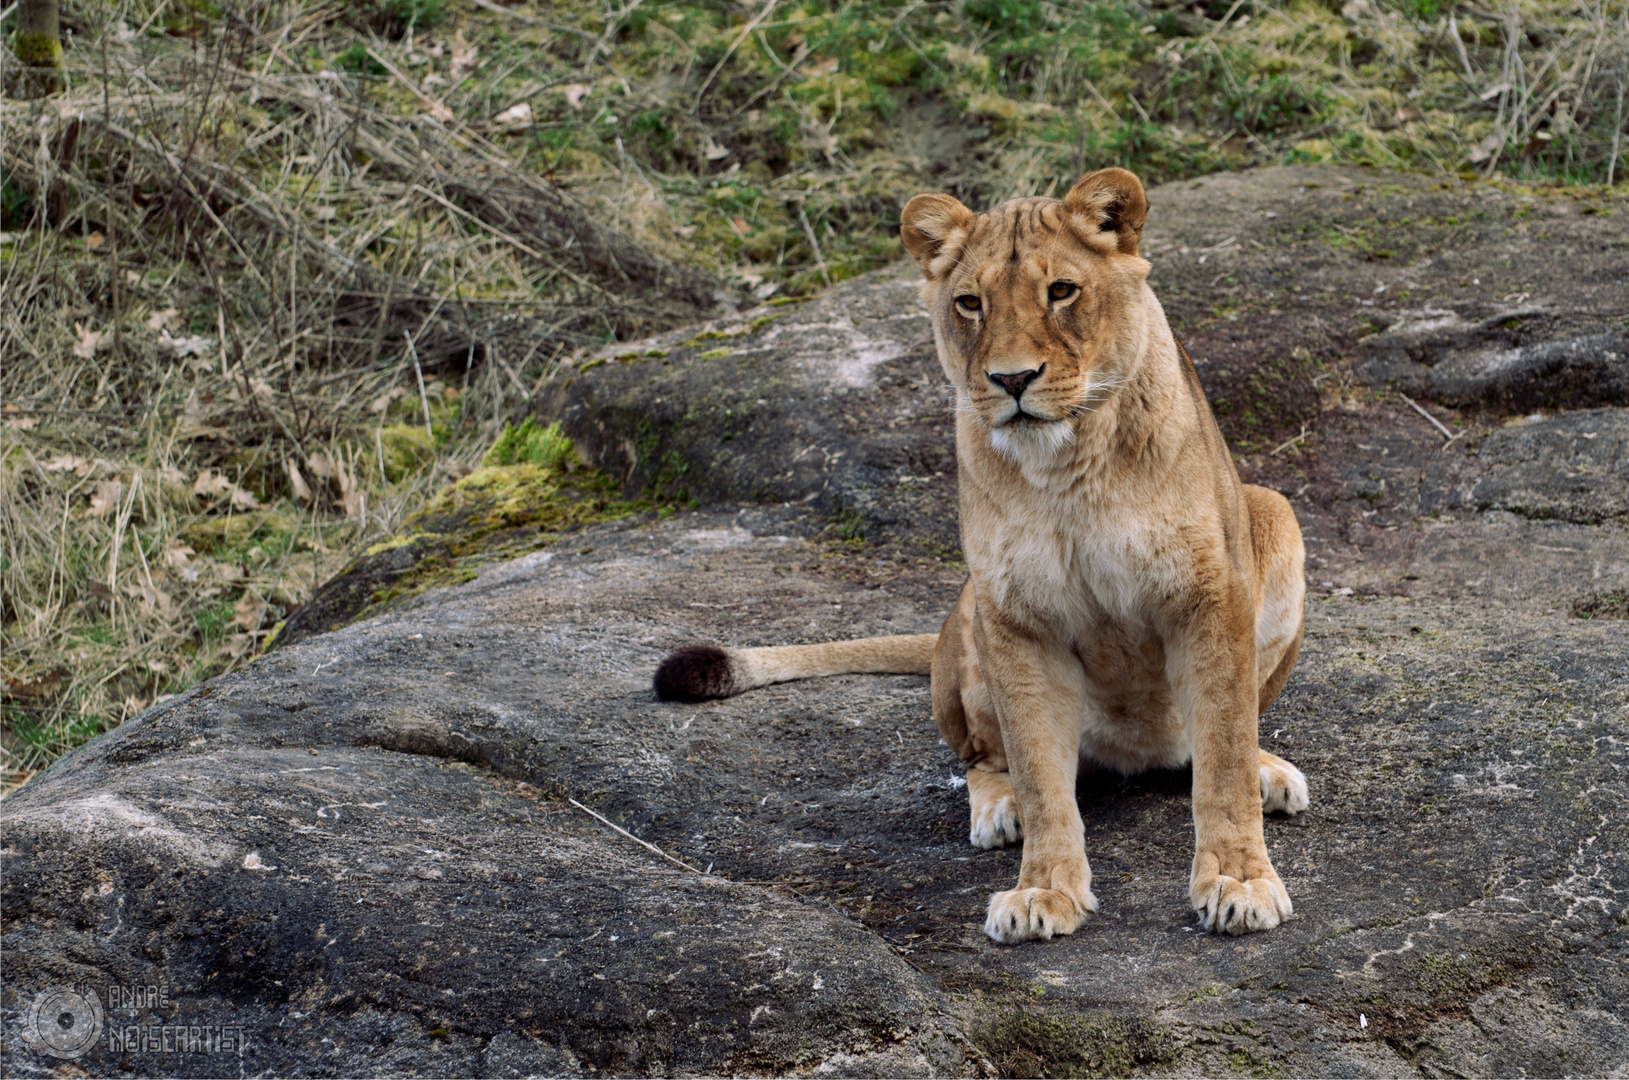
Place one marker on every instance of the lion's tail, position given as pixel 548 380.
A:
pixel 700 672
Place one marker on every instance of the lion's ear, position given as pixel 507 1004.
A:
pixel 934 228
pixel 1113 201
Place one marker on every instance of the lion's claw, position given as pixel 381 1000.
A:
pixel 1022 914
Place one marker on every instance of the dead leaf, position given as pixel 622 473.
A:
pixel 463 58
pixel 575 93
pixel 177 555
pixel 351 497
pixel 94 240
pixel 515 119
pixel 183 347
pixel 168 318
pixel 106 498
pixel 87 341
pixel 315 545
pixel 46 686
pixel 211 483
pixel 302 490
pixel 64 462
pixel 714 152
pixel 382 402
pixel 819 68
pixel 22 423
pixel 249 613
pixel 134 705
pixel 149 598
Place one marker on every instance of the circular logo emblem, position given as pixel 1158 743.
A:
pixel 63 1022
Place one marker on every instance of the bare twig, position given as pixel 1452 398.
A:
pixel 424 399
pixel 1286 444
pixel 1446 434
pixel 808 230
pixel 642 843
pixel 736 44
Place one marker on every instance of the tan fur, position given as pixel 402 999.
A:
pixel 903 654
pixel 1130 602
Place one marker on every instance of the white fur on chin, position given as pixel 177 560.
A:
pixel 1029 439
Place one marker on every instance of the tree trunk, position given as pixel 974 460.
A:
pixel 39 45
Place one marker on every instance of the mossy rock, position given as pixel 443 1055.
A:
pixel 1030 1042
pixel 504 509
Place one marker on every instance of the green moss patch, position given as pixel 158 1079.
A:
pixel 531 490
pixel 1036 1042
pixel 406 448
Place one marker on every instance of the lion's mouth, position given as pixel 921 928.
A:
pixel 1023 418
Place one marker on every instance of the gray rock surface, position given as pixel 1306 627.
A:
pixel 367 850
pixel 325 846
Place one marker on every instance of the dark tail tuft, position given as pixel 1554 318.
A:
pixel 695 673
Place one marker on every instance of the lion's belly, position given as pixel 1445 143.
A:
pixel 1130 722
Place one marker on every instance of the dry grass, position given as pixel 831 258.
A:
pixel 251 321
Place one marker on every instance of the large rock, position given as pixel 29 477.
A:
pixel 329 849
pixel 1278 279
pixel 372 851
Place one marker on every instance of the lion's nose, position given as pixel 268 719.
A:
pixel 1015 382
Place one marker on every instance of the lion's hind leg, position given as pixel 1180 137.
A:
pixel 1283 786
pixel 966 718
pixel 994 808
pixel 1280 623
pixel 1281 589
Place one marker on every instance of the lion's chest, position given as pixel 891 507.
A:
pixel 1072 576
pixel 1099 588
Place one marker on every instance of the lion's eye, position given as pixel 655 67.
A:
pixel 1062 290
pixel 968 303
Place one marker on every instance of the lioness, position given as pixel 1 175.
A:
pixel 1129 600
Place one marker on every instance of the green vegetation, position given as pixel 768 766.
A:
pixel 544 447
pixel 530 490
pixel 755 133
pixel 1028 1040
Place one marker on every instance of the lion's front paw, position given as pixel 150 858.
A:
pixel 994 810
pixel 1227 905
pixel 1021 914
pixel 1283 786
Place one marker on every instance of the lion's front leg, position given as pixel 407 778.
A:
pixel 1038 692
pixel 1212 667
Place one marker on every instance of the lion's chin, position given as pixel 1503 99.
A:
pixel 1028 436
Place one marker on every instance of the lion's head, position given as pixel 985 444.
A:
pixel 1036 303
